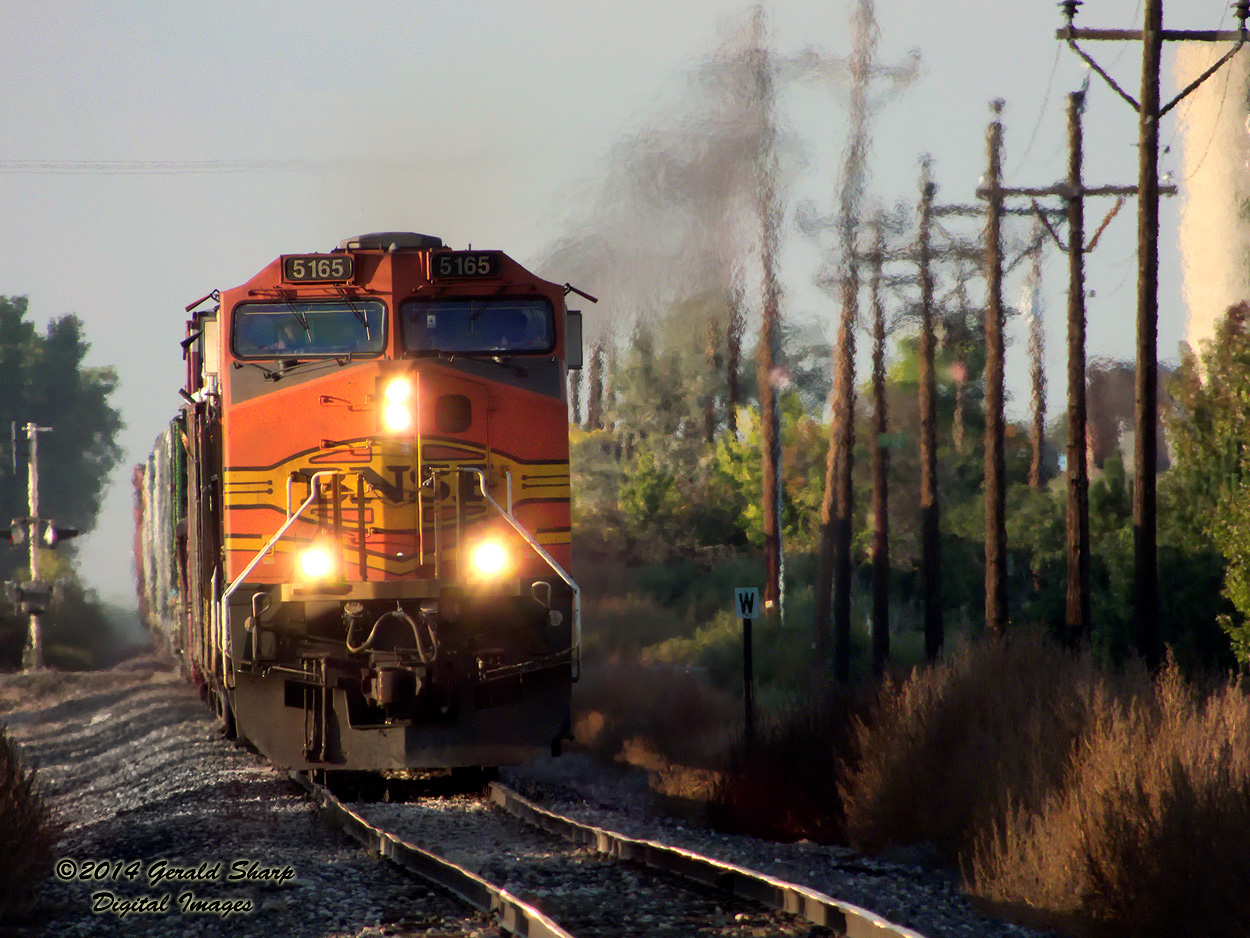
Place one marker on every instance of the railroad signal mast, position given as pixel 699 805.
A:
pixel 32 595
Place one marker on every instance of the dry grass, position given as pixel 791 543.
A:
pixel 26 833
pixel 670 713
pixel 785 786
pixel 1101 804
pixel 954 748
pixel 1150 835
pixel 1098 803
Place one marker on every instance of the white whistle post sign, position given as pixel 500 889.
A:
pixel 746 606
pixel 746 601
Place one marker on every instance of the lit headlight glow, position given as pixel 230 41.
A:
pixel 316 562
pixel 397 416
pixel 490 558
pixel 396 413
pixel 398 390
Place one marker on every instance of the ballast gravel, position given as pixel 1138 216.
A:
pixel 154 803
pixel 587 893
pixel 918 895
pixel 170 830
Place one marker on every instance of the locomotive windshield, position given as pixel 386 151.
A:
pixel 468 325
pixel 304 329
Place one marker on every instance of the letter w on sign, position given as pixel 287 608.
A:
pixel 746 601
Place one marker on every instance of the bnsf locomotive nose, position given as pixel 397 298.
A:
pixel 356 533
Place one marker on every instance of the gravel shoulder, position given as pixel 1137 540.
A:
pixel 139 776
pixel 156 806
pixel 909 890
pixel 588 893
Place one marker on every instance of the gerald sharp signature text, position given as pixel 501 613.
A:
pixel 155 872
pixel 162 872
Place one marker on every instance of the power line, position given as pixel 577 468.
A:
pixel 1054 66
pixel 171 167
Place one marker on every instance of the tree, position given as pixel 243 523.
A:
pixel 1209 427
pixel 43 380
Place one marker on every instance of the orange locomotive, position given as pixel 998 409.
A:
pixel 356 533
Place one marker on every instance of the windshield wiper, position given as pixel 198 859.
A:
pixel 360 316
pixel 301 318
pixel 507 361
pixel 292 364
pixel 288 365
pixel 473 314
pixel 270 375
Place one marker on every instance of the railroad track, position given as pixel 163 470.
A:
pixel 136 774
pixel 543 874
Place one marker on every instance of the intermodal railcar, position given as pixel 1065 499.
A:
pixel 355 533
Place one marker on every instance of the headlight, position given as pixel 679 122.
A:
pixel 490 558
pixel 397 416
pixel 396 413
pixel 399 390
pixel 316 563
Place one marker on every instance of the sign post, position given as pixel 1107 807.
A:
pixel 747 602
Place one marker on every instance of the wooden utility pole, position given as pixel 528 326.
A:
pixel 712 356
pixel 995 461
pixel 841 464
pixel 733 356
pixel 930 528
pixel 1145 558
pixel 1073 191
pixel 1145 456
pixel 880 469
pixel 930 510
pixel 1037 370
pixel 834 565
pixel 1077 616
pixel 995 465
pixel 594 406
pixel 33 658
pixel 770 325
pixel 923 255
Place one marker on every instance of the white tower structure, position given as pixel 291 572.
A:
pixel 1214 186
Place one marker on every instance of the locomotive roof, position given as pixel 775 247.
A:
pixel 391 241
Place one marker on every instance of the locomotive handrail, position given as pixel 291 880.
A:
pixel 230 590
pixel 575 649
pixel 506 514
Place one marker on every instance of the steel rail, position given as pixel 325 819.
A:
pixel 514 916
pixel 808 904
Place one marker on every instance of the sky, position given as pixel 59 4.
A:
pixel 154 152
